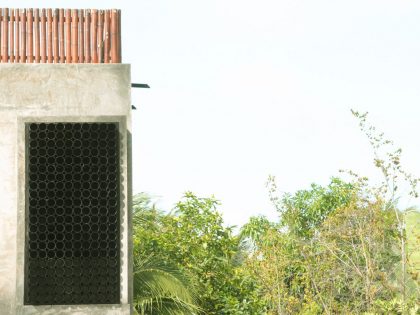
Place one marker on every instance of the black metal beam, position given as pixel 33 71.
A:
pixel 140 85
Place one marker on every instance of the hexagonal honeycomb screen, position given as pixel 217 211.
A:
pixel 72 253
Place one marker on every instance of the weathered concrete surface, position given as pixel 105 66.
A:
pixel 78 310
pixel 39 92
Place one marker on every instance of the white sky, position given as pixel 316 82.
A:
pixel 242 89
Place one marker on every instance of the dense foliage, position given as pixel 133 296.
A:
pixel 346 263
pixel 194 239
pixel 342 248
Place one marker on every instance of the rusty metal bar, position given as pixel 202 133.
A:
pixel 74 36
pixel 56 49
pixel 11 37
pixel 87 37
pixel 100 36
pixel 5 37
pixel 50 35
pixel 36 35
pixel 1 35
pixel 81 37
pixel 23 36
pixel 61 36
pixel 94 34
pixel 114 34
pixel 17 38
pixel 68 36
pixel 43 37
pixel 119 37
pixel 106 36
pixel 30 43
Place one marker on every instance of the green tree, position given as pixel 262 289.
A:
pixel 158 287
pixel 333 251
pixel 342 248
pixel 360 243
pixel 194 238
pixel 304 211
pixel 387 159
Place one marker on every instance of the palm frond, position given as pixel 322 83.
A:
pixel 161 288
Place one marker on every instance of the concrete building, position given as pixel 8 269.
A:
pixel 65 184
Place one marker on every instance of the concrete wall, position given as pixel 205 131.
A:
pixel 35 92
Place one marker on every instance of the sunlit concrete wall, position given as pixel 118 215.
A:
pixel 53 93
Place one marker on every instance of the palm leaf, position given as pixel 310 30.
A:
pixel 160 288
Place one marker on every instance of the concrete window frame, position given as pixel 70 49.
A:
pixel 125 220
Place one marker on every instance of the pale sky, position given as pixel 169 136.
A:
pixel 243 89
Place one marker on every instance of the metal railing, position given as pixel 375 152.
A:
pixel 60 36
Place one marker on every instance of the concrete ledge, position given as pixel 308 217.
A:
pixel 61 89
pixel 123 309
